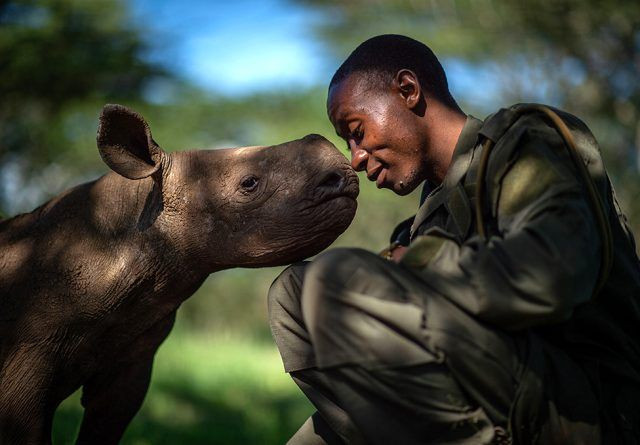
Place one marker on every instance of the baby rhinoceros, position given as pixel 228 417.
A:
pixel 90 281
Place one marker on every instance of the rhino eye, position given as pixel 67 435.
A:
pixel 249 183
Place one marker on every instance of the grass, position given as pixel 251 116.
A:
pixel 208 390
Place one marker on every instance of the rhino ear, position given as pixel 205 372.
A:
pixel 125 143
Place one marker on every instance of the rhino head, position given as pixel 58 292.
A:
pixel 237 207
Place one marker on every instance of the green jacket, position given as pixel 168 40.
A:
pixel 542 260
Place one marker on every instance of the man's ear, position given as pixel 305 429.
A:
pixel 125 143
pixel 408 86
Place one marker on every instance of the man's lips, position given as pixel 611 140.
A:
pixel 380 180
pixel 373 174
pixel 379 175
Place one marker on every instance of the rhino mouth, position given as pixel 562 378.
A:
pixel 336 185
pixel 349 190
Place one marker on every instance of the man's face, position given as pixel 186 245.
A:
pixel 382 133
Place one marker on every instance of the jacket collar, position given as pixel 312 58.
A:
pixel 431 197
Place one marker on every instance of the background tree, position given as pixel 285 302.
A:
pixel 58 57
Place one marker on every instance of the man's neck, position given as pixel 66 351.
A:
pixel 445 125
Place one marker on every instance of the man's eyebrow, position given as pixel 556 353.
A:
pixel 345 139
pixel 339 126
pixel 342 137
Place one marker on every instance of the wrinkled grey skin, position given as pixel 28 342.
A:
pixel 90 282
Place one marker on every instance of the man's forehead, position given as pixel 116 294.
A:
pixel 349 94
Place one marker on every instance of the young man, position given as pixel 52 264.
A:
pixel 523 329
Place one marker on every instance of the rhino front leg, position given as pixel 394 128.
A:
pixel 111 400
pixel 112 397
pixel 25 377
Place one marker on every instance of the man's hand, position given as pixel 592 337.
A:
pixel 394 252
pixel 398 253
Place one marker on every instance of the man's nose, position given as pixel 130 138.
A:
pixel 359 159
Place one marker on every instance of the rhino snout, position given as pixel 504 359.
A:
pixel 333 181
pixel 338 181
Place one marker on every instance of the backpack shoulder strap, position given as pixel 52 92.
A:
pixel 496 126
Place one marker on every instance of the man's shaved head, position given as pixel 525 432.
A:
pixel 380 58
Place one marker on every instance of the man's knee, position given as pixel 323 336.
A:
pixel 329 279
pixel 360 308
pixel 285 319
pixel 283 298
pixel 345 271
pixel 355 313
pixel 336 267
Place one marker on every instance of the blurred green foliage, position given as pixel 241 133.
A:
pixel 579 55
pixel 208 389
pixel 218 377
pixel 59 54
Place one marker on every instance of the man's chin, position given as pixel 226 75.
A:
pixel 400 187
pixel 403 186
pixel 402 190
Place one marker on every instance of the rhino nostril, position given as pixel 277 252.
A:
pixel 332 180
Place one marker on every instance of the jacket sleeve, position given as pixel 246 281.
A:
pixel 544 259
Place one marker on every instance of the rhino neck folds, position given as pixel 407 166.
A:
pixel 153 207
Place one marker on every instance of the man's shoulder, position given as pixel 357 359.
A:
pixel 537 125
pixel 531 118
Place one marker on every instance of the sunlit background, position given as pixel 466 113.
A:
pixel 209 74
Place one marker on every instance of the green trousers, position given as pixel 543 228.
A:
pixel 387 360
